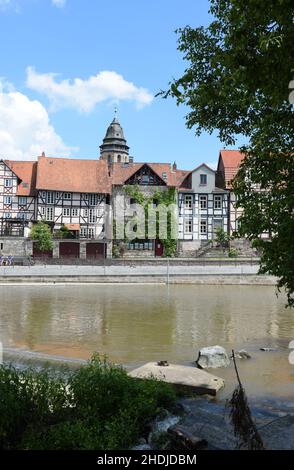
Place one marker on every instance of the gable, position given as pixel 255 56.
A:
pixel 146 176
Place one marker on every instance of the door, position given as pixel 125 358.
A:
pixel 69 250
pixel 158 248
pixel 95 250
pixel 41 254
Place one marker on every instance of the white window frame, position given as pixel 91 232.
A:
pixel 203 227
pixel 50 199
pixel 49 214
pixel 188 226
pixel 7 200
pixel 217 201
pixel 92 216
pixel 67 196
pixel 7 215
pixel 188 201
pixel 8 182
pixel 93 199
pixel 91 233
pixel 22 201
pixel 203 175
pixel 75 212
pixel 66 212
pixel 203 199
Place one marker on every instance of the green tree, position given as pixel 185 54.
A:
pixel 41 233
pixel 237 82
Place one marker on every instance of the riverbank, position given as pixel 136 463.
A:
pixel 208 273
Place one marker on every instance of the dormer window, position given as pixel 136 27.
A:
pixel 164 175
pixel 203 180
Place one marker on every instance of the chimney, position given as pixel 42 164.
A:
pixel 43 154
pixel 174 167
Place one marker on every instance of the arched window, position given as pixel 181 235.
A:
pixel 119 158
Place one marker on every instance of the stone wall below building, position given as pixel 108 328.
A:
pixel 16 247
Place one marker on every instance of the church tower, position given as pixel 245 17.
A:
pixel 114 147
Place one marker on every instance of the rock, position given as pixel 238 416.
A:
pixel 182 377
pixel 242 354
pixel 212 356
pixel 183 439
pixel 267 349
pixel 142 447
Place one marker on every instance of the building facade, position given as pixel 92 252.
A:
pixel 89 198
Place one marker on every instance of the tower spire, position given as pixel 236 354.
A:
pixel 114 147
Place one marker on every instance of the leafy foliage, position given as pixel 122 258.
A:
pixel 95 407
pixel 42 234
pixel 166 198
pixel 222 237
pixel 237 82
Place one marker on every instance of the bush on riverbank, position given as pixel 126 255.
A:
pixel 96 407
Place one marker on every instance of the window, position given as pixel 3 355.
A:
pixel 7 215
pixel 93 199
pixel 8 183
pixel 66 211
pixel 100 212
pixel 50 197
pixel 75 212
pixel 92 216
pixel 188 226
pixel 8 200
pixel 203 180
pixel 43 211
pixel 83 232
pixel 164 175
pixel 203 227
pixel 49 213
pixel 91 233
pixel 22 201
pixel 22 215
pixel 57 196
pixel 203 202
pixel 188 202
pixel 217 202
pixel 67 195
pixel 85 212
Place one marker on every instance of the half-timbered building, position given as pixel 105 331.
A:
pixel 17 196
pixel 203 208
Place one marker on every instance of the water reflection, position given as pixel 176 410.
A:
pixel 139 323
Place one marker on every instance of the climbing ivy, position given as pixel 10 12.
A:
pixel 166 198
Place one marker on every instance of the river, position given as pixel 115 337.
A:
pixel 134 324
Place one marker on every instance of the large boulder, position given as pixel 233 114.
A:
pixel 212 356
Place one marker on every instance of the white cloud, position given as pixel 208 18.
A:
pixel 25 129
pixel 85 94
pixel 59 3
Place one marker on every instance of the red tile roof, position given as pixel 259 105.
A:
pixel 26 172
pixel 228 164
pixel 73 175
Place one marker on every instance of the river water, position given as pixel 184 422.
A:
pixel 134 324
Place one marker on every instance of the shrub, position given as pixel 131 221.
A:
pixel 233 253
pixel 96 407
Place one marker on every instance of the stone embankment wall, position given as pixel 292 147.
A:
pixel 137 273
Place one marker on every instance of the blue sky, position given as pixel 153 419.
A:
pixel 102 53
